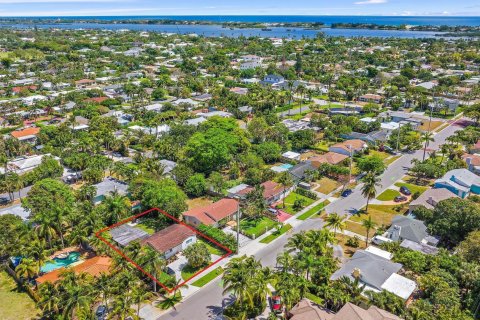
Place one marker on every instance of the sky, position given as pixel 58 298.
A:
pixel 244 7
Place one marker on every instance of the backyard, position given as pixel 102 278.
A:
pixel 15 304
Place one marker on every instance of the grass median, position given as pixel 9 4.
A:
pixel 208 277
pixel 276 234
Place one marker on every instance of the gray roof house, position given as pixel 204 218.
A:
pixel 108 186
pixel 125 233
pixel 411 229
pixel 430 198
pixel 300 170
pixel 376 273
pixel 460 181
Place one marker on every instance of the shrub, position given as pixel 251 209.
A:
pixel 227 240
pixel 306 193
pixel 353 242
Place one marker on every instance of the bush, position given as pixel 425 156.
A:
pixel 353 242
pixel 415 195
pixel 298 204
pixel 227 240
pixel 306 193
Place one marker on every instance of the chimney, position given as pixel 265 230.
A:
pixel 356 273
pixel 430 201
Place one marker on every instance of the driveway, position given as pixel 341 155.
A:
pixel 177 266
pixel 243 239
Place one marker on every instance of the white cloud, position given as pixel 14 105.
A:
pixel 371 2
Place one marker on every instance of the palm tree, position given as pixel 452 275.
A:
pixel 335 221
pixel 169 301
pixel 368 224
pixel 426 138
pixel 27 269
pixel 117 206
pixel 139 295
pixel 152 262
pixel 285 179
pixel 370 182
pixel 49 299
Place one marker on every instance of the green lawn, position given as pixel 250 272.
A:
pixel 255 228
pixel 382 155
pixel 188 271
pixel 165 277
pixel 145 228
pixel 311 212
pixel 388 195
pixel 413 188
pixel 208 277
pixel 212 248
pixel 290 200
pixel 276 234
pixel 390 160
pixel 16 305
pixel 356 228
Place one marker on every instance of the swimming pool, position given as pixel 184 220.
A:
pixel 286 166
pixel 57 263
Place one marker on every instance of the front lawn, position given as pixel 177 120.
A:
pixel 253 228
pixel 390 160
pixel 413 188
pixel 357 228
pixel 208 277
pixel 381 214
pixel 388 195
pixel 327 185
pixel 188 271
pixel 312 211
pixel 213 249
pixel 276 234
pixel 290 201
pixel 347 250
pixel 16 304
pixel 381 154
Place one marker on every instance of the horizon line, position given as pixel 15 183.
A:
pixel 248 15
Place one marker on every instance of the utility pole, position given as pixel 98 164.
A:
pixel 350 174
pixel 429 126
pixel 238 224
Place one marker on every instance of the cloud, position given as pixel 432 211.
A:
pixel 371 2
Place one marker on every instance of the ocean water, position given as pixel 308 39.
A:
pixel 383 20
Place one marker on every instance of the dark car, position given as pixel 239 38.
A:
pixel 400 198
pixel 4 201
pixel 404 190
pixel 346 193
pixel 101 312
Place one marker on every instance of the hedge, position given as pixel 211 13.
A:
pixel 306 193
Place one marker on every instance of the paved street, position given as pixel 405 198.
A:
pixel 207 302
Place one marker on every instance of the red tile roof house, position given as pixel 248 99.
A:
pixel 96 100
pixel 171 240
pixel 215 214
pixel 26 134
pixel 84 83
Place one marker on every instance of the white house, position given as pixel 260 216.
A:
pixel 172 240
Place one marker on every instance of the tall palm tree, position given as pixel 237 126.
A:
pixel 370 182
pixel 49 299
pixel 152 262
pixel 427 137
pixel 140 294
pixel 27 269
pixel 368 224
pixel 285 179
pixel 335 221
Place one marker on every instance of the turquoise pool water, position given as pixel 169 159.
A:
pixel 286 166
pixel 59 263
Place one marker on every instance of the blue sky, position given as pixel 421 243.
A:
pixel 245 7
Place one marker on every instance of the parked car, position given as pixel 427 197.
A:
pixel 404 190
pixel 400 198
pixel 101 312
pixel 346 193
pixel 4 201
pixel 276 304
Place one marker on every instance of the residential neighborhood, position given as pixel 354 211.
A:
pixel 179 175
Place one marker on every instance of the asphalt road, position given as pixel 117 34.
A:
pixel 208 302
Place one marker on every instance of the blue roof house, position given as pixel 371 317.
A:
pixel 460 181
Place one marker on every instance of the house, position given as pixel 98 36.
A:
pixel 430 198
pixel 239 90
pixel 419 247
pixel 215 214
pixel 26 134
pixel 329 157
pixel 375 98
pixel 222 114
pixel 108 186
pixel 250 65
pixel 411 229
pixel 301 170
pixel 290 155
pixel 272 191
pixel 460 181
pixel 271 79
pixel 348 147
pixel 195 121
pixel 24 164
pixel 171 240
pixel 473 162
pixel 373 137
pixel 451 104
pixel 126 233
pixel 94 266
pixel 84 83
pixel 167 165
pixel 475 148
pixel 376 273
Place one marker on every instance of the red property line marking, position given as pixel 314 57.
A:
pixel 120 252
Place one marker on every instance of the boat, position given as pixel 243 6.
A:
pixel 63 255
pixel 266 29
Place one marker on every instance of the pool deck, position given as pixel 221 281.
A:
pixel 66 250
